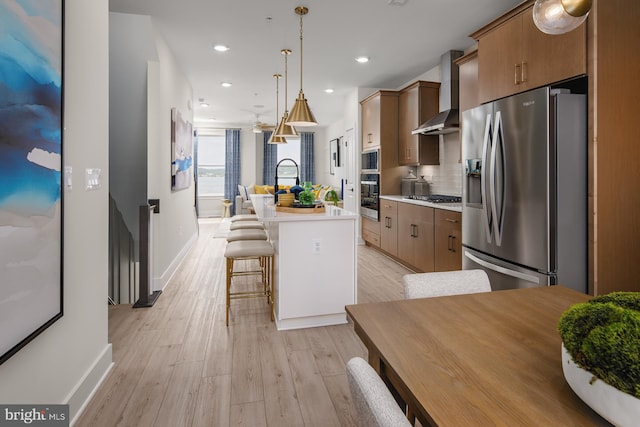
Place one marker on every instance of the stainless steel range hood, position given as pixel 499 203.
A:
pixel 447 120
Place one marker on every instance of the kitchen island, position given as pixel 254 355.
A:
pixel 315 263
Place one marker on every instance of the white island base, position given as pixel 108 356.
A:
pixel 315 264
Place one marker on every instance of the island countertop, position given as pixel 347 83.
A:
pixel 264 206
pixel 305 246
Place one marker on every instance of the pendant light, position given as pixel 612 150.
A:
pixel 301 114
pixel 284 129
pixel 560 16
pixel 273 139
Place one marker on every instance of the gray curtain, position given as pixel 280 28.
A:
pixel 307 164
pixel 232 168
pixel 270 160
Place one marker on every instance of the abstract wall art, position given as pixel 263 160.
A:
pixel 31 53
pixel 181 152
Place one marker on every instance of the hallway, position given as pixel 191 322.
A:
pixel 176 364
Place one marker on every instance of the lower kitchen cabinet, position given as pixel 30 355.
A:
pixel 448 244
pixel 371 231
pixel 416 236
pixel 389 226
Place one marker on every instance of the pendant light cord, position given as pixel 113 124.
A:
pixel 301 15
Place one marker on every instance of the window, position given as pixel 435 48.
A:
pixel 211 161
pixel 287 171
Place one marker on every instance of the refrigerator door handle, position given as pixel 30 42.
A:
pixel 486 209
pixel 503 270
pixel 497 143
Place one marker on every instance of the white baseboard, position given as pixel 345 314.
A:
pixel 159 283
pixel 82 393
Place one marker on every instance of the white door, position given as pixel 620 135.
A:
pixel 351 172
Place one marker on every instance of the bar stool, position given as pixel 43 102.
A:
pixel 247 234
pixel 250 250
pixel 246 224
pixel 244 217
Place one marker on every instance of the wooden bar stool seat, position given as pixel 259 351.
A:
pixel 259 250
pixel 246 234
pixel 244 217
pixel 246 224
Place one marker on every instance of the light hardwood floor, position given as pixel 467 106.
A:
pixel 177 364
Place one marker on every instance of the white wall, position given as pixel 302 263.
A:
pixel 175 227
pixel 65 362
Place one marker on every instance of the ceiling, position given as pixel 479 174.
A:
pixel 402 38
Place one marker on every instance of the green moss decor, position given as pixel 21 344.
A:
pixel 602 336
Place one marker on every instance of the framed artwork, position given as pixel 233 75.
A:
pixel 31 205
pixel 334 155
pixel 181 152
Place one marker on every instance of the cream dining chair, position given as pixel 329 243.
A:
pixel 427 285
pixel 374 403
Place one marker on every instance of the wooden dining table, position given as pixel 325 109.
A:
pixel 488 359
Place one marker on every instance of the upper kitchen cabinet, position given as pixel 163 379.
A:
pixel 379 119
pixel 468 73
pixel 418 102
pixel 514 56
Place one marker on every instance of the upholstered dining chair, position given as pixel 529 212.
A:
pixel 426 285
pixel 374 403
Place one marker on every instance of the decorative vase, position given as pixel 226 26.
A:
pixel 306 197
pixel 617 407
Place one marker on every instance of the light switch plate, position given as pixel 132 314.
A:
pixel 68 178
pixel 92 179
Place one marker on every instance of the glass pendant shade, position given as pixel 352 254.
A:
pixel 560 16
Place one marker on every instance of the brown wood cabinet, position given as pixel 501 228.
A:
pixel 389 226
pixel 416 236
pixel 418 102
pixel 379 119
pixel 371 231
pixel 514 56
pixel 448 242
pixel 468 75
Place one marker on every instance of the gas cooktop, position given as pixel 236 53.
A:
pixel 437 198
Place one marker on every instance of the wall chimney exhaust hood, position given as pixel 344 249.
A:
pixel 447 121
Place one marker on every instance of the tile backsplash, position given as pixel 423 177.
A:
pixel 445 178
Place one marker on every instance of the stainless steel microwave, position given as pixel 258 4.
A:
pixel 370 161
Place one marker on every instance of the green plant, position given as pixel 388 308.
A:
pixel 602 336
pixel 332 196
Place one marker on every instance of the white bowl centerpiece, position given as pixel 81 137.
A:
pixel 601 355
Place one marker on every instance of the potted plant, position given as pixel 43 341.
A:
pixel 601 354
pixel 332 196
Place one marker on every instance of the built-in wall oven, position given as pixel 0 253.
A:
pixel 369 192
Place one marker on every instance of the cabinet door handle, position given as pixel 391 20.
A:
pixel 414 230
pixel 524 72
pixel 451 220
pixel 517 73
pixel 369 140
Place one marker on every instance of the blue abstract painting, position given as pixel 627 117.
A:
pixel 30 170
pixel 181 151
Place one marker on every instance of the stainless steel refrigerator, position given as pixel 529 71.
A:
pixel 524 191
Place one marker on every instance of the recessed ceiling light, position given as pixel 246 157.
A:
pixel 362 59
pixel 329 90
pixel 225 84
pixel 221 48
pixel 204 104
